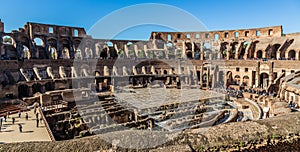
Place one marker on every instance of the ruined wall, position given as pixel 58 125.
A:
pixel 274 31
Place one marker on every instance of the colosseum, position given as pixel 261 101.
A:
pixel 79 86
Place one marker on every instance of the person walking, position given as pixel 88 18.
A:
pixel 19 113
pixel 4 118
pixel 20 128
pixel 13 120
pixel 26 116
pixel 36 115
pixel 37 122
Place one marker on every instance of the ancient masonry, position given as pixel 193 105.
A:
pixel 38 65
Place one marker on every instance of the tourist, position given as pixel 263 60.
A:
pixel 13 120
pixel 19 113
pixel 20 127
pixel 37 115
pixel 4 118
pixel 26 116
pixel 37 122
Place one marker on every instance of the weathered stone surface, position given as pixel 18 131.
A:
pixel 275 133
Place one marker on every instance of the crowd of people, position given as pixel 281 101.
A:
pixel 8 117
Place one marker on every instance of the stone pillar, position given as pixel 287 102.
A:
pixel 105 71
pixel 146 51
pixel 225 79
pixel 201 76
pixel 257 77
pixel 126 55
pixel 278 55
pixel 183 54
pixel 193 50
pixel 136 51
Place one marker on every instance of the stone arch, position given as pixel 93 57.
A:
pixel 25 52
pixel 38 41
pixel 65 51
pixel 39 48
pixel 53 53
pixel 50 86
pixel 189 54
pixel 224 50
pixel 165 72
pixel 237 79
pixel 246 80
pixel 259 54
pixel 8 40
pixel 78 54
pixel 243 50
pixel 23 91
pixel 37 87
pixel 291 55
pixel 275 49
pixel 264 80
pixel 9 47
pixel 229 78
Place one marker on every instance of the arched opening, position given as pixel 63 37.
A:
pixel 65 50
pixel 224 50
pixel 275 48
pixel 8 48
pixel 65 53
pixel 237 79
pixel 245 80
pixel 292 55
pixel 229 79
pixel 221 78
pixel 165 72
pixel 25 52
pixel 38 41
pixel 37 87
pixel 49 86
pixel 259 54
pixel 110 44
pixel 189 54
pixel 53 53
pixel 264 80
pixel 216 36
pixel 39 50
pixel 204 80
pixel 23 91
pixel 78 54
pixel 8 40
pixel 243 50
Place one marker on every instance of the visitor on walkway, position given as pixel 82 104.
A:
pixel 13 120
pixel 4 118
pixel 26 116
pixel 20 127
pixel 19 114
pixel 37 122
pixel 37 115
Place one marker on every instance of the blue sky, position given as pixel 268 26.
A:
pixel 214 14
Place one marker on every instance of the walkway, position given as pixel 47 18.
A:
pixel 10 133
